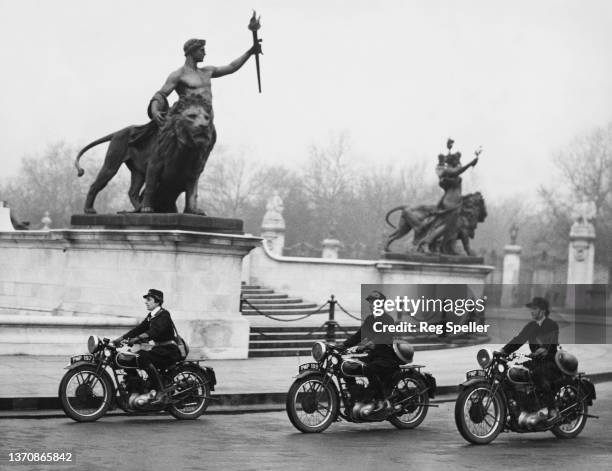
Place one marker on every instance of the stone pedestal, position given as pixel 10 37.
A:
pixel 92 271
pixel 330 248
pixel 581 256
pixel 274 240
pixel 510 275
pixel 273 225
pixel 5 219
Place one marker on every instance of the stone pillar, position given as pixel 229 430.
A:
pixel 5 218
pixel 510 275
pixel 273 225
pixel 330 248
pixel 46 222
pixel 581 256
pixel 581 252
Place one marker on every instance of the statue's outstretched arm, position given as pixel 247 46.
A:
pixel 455 172
pixel 235 65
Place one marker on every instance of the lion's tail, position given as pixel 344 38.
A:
pixel 80 171
pixel 397 208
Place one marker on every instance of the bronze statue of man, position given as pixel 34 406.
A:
pixel 167 159
pixel 190 79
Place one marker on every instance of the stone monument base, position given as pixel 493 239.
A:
pixel 433 258
pixel 93 271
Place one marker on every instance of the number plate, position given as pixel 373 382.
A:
pixel 475 374
pixel 88 358
pixel 309 366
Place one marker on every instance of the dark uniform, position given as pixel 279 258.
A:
pixel 160 329
pixel 543 368
pixel 381 362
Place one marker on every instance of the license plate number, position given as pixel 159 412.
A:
pixel 76 358
pixel 475 374
pixel 309 366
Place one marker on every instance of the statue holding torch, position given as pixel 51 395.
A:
pixel 190 79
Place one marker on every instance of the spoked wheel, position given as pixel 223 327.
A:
pixel 193 391
pixel 412 395
pixel 479 415
pixel 576 418
pixel 85 395
pixel 312 403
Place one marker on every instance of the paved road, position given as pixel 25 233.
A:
pixel 267 441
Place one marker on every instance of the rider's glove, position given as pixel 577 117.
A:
pixel 132 341
pixel 117 341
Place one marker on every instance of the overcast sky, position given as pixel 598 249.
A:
pixel 520 78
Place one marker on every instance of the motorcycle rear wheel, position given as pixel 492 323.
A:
pixel 412 415
pixel 196 403
pixel 312 403
pixel 85 395
pixel 572 428
pixel 471 415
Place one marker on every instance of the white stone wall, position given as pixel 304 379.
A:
pixel 105 272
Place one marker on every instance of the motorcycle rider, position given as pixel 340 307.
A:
pixel 381 361
pixel 542 333
pixel 158 327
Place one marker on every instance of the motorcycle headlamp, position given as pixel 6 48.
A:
pixel 93 343
pixel 318 351
pixel 484 357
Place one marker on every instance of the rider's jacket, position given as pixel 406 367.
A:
pixel 158 326
pixel 383 341
pixel 545 335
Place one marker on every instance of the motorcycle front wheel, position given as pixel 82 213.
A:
pixel 85 394
pixel 312 403
pixel 576 418
pixel 413 392
pixel 479 415
pixel 194 392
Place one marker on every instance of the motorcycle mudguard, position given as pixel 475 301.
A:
pixel 589 390
pixel 207 371
pixel 309 372
pixel 312 372
pixel 430 382
pixel 470 382
pixel 79 363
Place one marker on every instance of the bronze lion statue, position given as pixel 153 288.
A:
pixel 420 219
pixel 166 161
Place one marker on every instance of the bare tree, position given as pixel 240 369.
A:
pixel 585 173
pixel 48 182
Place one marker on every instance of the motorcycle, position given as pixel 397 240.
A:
pixel 87 390
pixel 503 397
pixel 334 388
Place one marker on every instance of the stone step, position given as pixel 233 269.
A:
pixel 263 301
pixel 284 312
pixel 292 336
pixel 278 307
pixel 257 291
pixel 266 296
pixel 283 329
pixel 284 344
pixel 244 286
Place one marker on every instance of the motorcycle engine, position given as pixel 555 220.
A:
pixel 524 409
pixel 134 383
